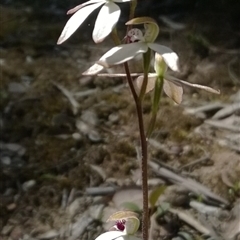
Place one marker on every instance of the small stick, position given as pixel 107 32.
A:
pixel 196 162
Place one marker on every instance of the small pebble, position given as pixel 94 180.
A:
pixel 90 117
pixel 8 192
pixel 14 147
pixel 2 62
pixel 76 136
pixel 6 160
pixel 11 206
pixel 82 127
pixel 28 185
pixel 29 59
pixel 186 149
pixel 94 136
pixel 6 229
pixel 49 235
pixel 113 117
pixel 15 87
pixel 17 233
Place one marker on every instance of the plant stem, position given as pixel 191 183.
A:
pixel 144 150
pixel 143 140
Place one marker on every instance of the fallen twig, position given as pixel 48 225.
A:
pixel 190 220
pixel 101 190
pixel 188 183
pixel 69 96
pixel 201 160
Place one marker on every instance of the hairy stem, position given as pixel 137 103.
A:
pixel 143 140
pixel 144 157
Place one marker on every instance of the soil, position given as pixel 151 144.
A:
pixel 64 150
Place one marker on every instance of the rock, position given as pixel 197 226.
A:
pixel 96 211
pixel 94 136
pixel 11 206
pixel 15 87
pixel 7 229
pixel 113 117
pixel 14 147
pixel 8 192
pixel 77 136
pixel 6 160
pixel 82 127
pixel 90 117
pixel 28 185
pixel 17 233
pixel 49 235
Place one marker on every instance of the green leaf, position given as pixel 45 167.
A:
pixel 155 194
pixel 185 235
pixel 162 209
pixel 131 206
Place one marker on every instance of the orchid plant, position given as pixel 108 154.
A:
pixel 136 42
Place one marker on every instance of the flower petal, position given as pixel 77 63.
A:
pixel 173 90
pixel 179 81
pixel 111 235
pixel 73 10
pixel 106 21
pixel 169 56
pixel 93 70
pixel 150 85
pixel 116 235
pixel 160 65
pixel 122 53
pixel 76 20
pixel 121 1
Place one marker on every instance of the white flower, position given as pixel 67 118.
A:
pixel 126 225
pixel 106 19
pixel 172 86
pixel 126 52
pixel 116 235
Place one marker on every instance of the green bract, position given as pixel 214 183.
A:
pixel 106 19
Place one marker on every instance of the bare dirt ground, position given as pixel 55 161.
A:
pixel 69 143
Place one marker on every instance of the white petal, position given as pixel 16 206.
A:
pixel 111 235
pixel 121 1
pixel 116 235
pixel 76 20
pixel 150 85
pixel 173 90
pixel 106 21
pixel 73 10
pixel 170 57
pixel 179 81
pixel 122 53
pixel 93 70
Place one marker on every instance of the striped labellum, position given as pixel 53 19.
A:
pixel 134 35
